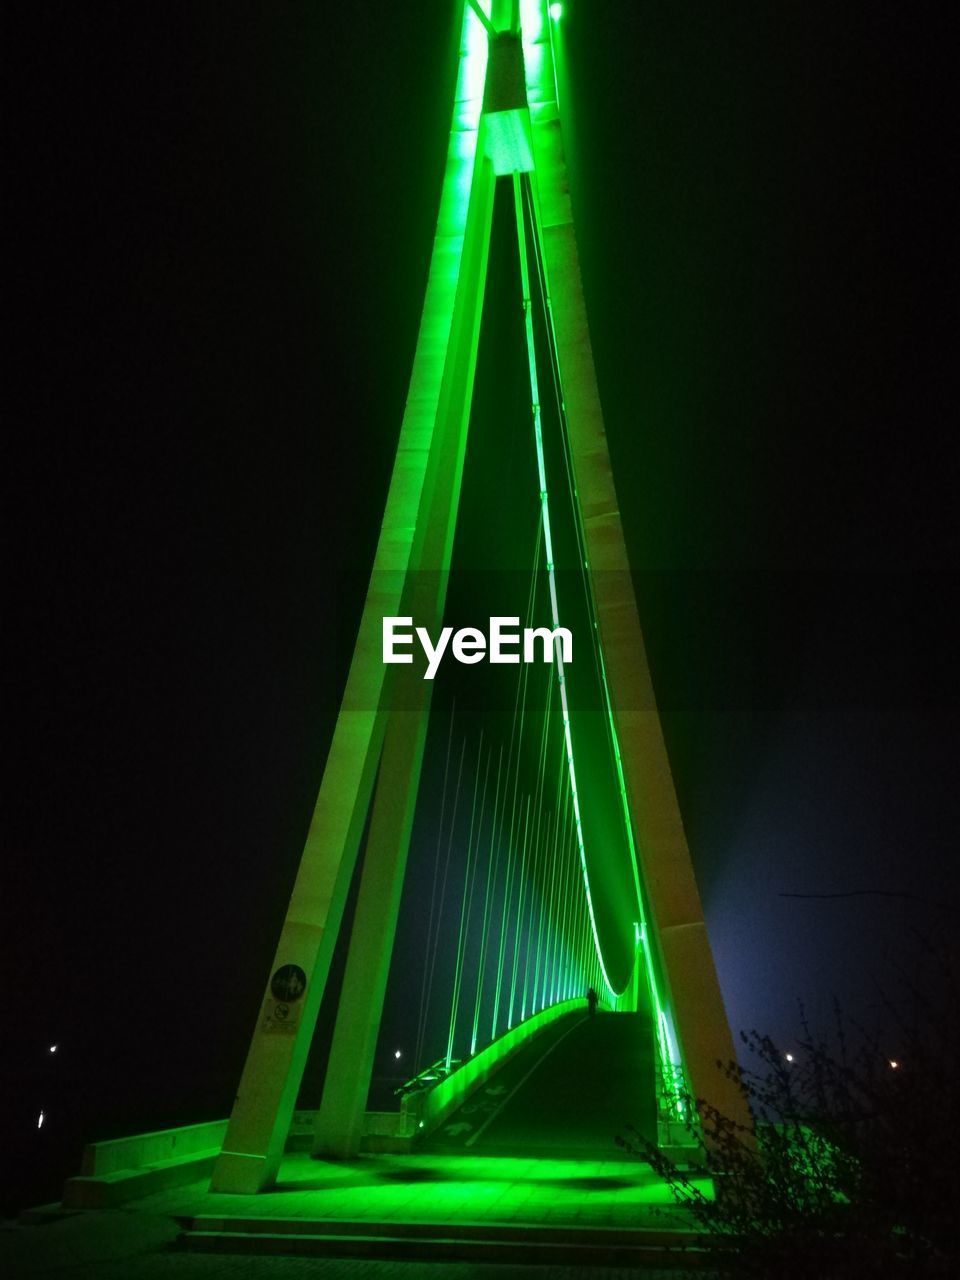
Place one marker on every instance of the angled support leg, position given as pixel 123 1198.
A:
pixel 339 1122
pixel 263 1109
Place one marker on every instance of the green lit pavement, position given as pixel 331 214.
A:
pixel 566 1094
pixel 448 1207
pixel 540 1185
pixel 436 1214
pixel 124 1244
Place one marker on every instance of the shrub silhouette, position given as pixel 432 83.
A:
pixel 849 1166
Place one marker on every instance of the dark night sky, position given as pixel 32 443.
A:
pixel 217 225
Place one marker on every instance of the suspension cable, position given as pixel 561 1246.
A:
pixel 467 900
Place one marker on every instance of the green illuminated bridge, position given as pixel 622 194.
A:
pixel 492 844
pixel 564 1095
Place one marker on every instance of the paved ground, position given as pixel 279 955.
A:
pixel 440 1188
pixel 138 1241
pixel 132 1246
pixel 129 1244
pixel 533 1148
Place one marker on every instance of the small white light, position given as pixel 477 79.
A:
pixel 53 1048
pixel 788 1056
pixel 40 1120
pixel 397 1053
pixel 894 1064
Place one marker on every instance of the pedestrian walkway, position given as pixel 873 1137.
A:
pixel 434 1191
pixel 451 1188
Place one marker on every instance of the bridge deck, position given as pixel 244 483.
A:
pixel 565 1095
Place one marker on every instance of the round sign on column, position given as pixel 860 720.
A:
pixel 282 1011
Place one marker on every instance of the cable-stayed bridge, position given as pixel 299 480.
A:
pixel 496 869
pixel 492 844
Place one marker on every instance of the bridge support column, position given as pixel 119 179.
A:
pixel 442 367
pixel 339 1123
pixel 675 912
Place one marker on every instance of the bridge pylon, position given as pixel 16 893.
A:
pixel 506 125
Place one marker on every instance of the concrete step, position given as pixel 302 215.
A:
pixel 487 1242
pixel 108 1190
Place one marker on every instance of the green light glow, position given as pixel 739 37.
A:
pixel 472 75
pixel 532 23
pixel 669 1047
pixel 470 876
pixel 369 767
pixel 551 573
pixel 491 864
pixel 473 1188
pixel 455 1088
pixel 483 15
pixel 541 86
